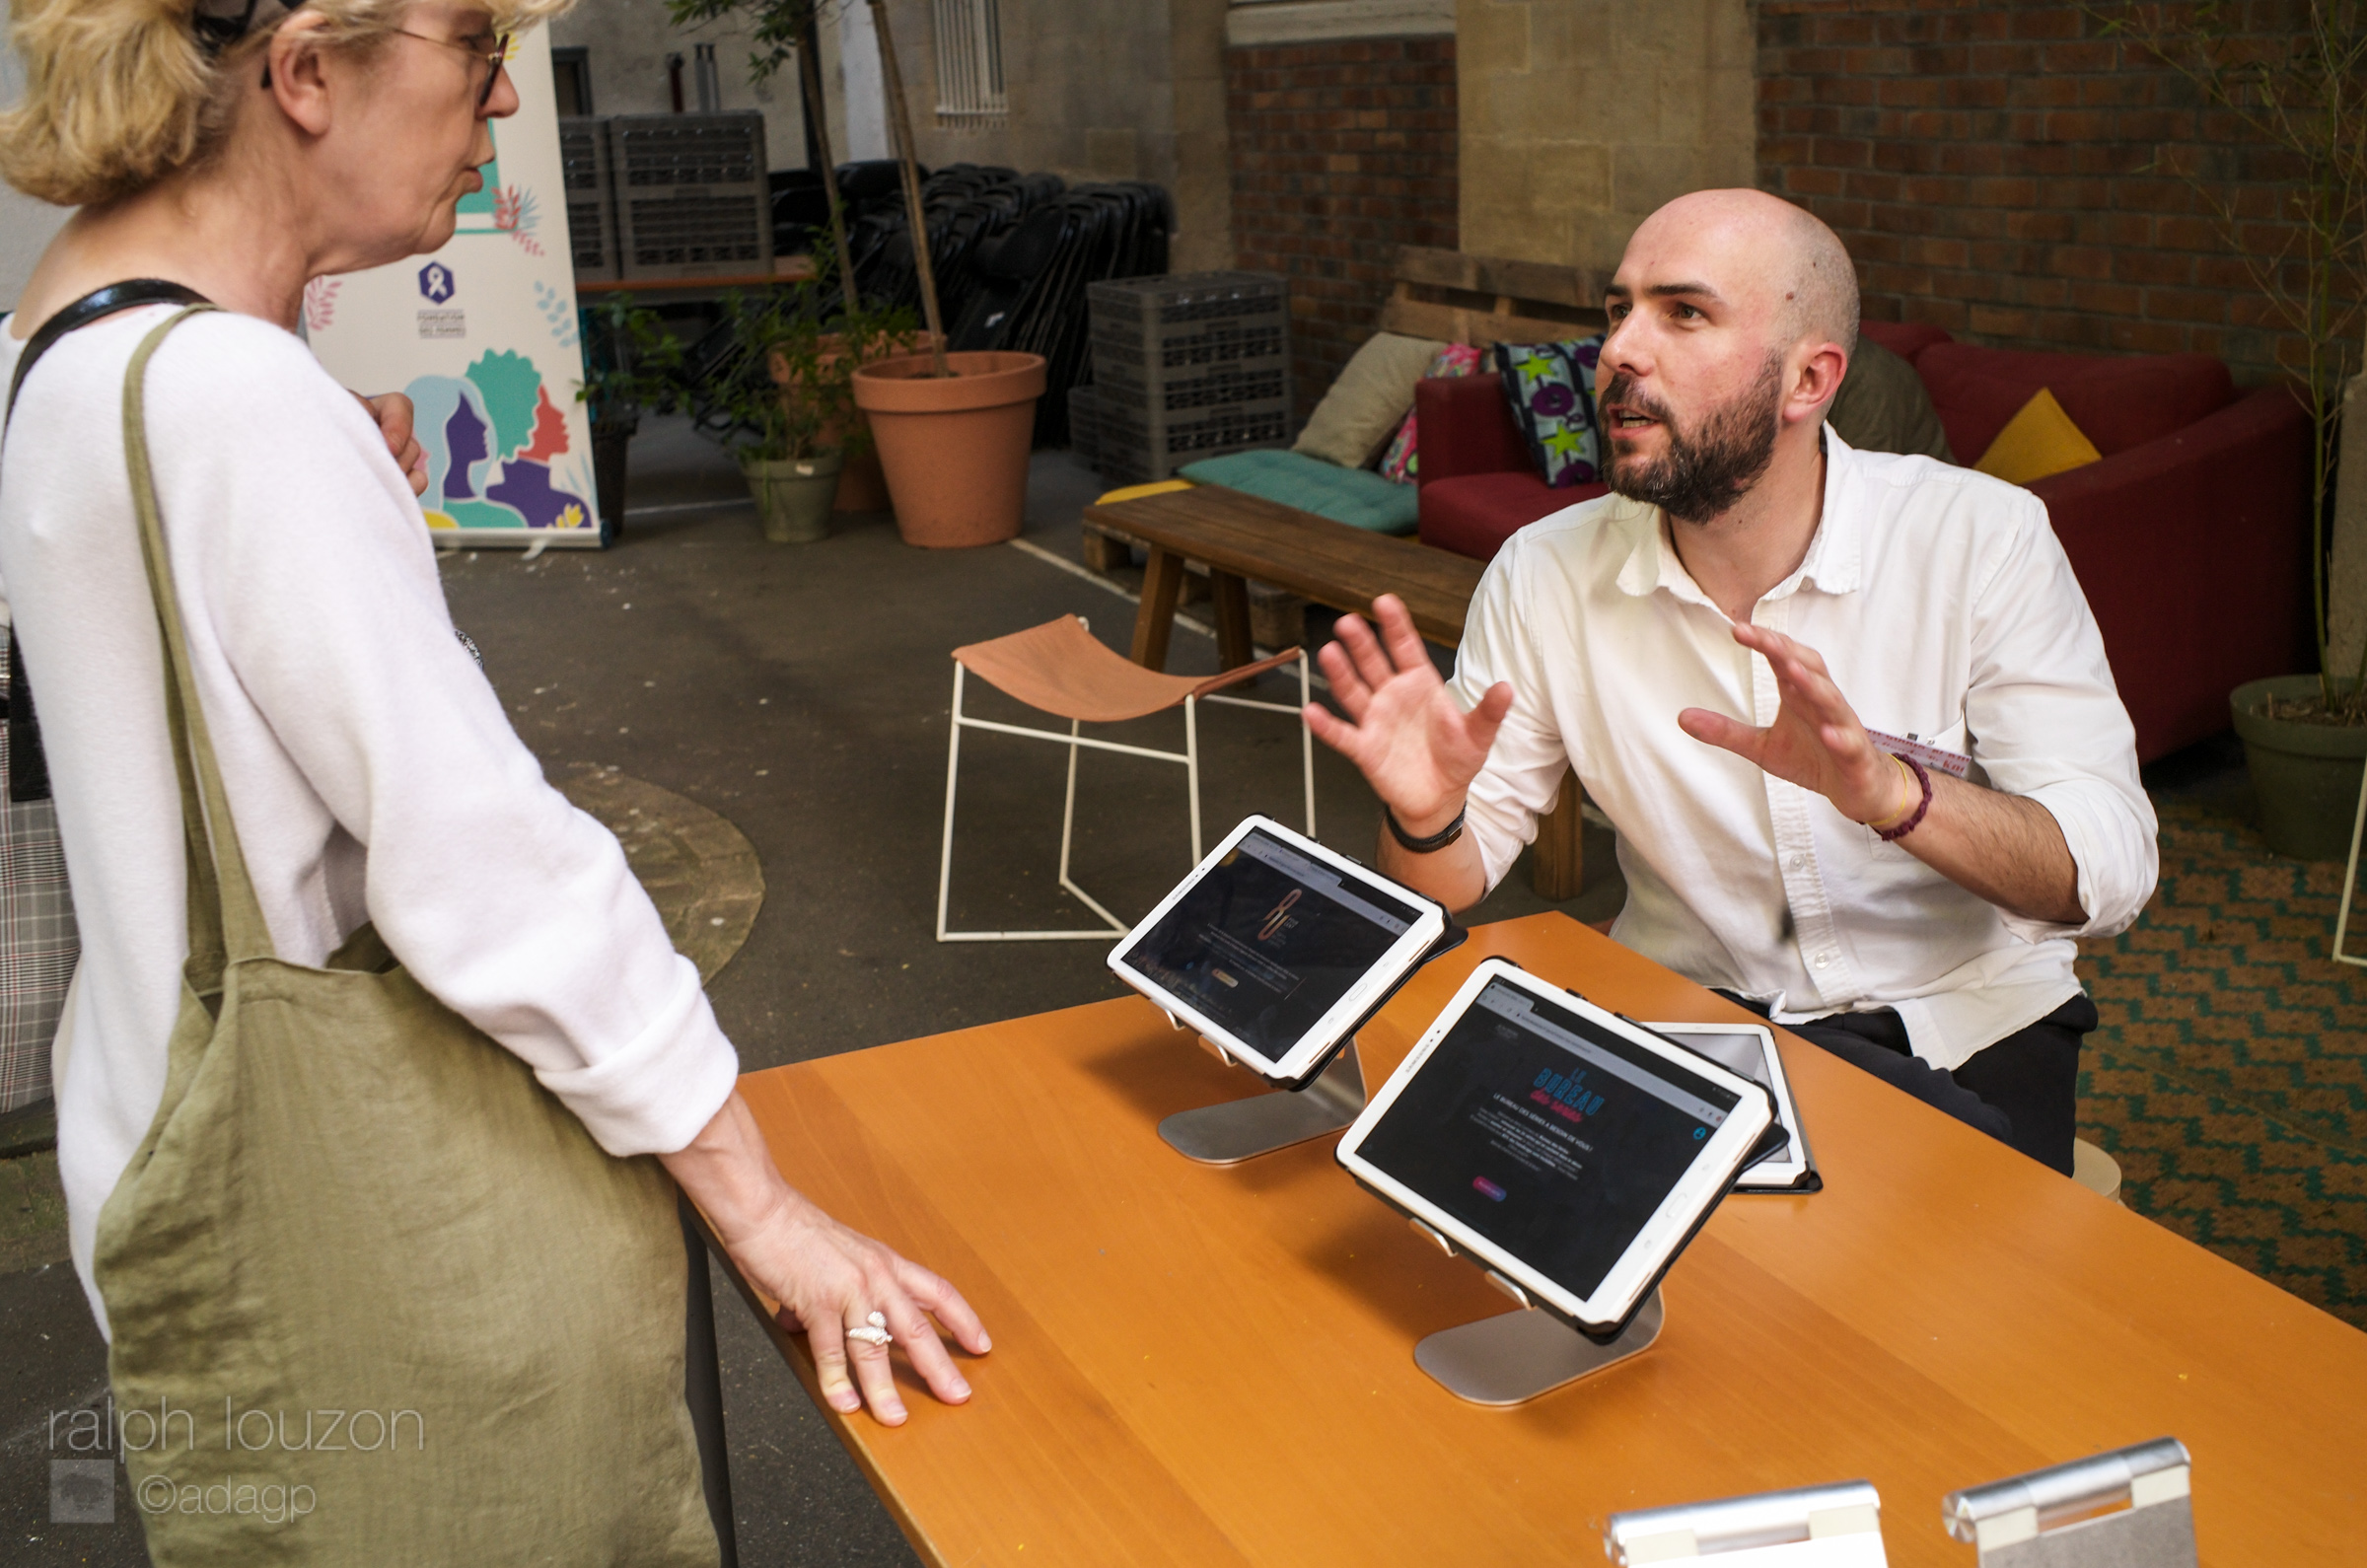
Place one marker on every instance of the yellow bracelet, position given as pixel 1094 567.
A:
pixel 1899 816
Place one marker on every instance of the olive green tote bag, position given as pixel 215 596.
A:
pixel 376 1296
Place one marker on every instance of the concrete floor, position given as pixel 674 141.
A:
pixel 803 692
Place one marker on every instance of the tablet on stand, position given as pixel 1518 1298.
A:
pixel 1568 1152
pixel 1749 1050
pixel 1276 951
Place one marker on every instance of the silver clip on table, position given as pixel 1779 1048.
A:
pixel 2068 1516
pixel 1242 1129
pixel 1511 1358
pixel 1844 1518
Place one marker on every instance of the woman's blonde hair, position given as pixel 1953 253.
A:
pixel 118 94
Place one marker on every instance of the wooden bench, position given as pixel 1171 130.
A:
pixel 1242 538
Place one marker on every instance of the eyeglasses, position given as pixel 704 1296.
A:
pixel 475 48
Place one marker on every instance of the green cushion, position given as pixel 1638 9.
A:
pixel 1357 497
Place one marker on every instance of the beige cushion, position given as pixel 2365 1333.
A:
pixel 1372 397
pixel 1882 406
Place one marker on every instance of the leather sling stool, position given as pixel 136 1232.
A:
pixel 1059 667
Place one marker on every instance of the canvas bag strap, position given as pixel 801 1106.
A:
pixel 225 920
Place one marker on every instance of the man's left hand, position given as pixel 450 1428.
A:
pixel 393 411
pixel 1816 741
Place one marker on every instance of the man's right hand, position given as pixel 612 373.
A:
pixel 1415 744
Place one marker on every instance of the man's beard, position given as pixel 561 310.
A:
pixel 1707 469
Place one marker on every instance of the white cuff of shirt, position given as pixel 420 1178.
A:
pixel 2088 830
pixel 654 1096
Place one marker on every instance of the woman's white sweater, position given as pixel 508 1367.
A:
pixel 372 771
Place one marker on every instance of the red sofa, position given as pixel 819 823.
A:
pixel 2191 538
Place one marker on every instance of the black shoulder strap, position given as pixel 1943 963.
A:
pixel 27 763
pixel 90 308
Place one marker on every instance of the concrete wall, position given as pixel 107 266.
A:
pixel 628 41
pixel 1581 117
pixel 25 225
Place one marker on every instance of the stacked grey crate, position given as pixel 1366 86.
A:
pixel 690 192
pixel 591 197
pixel 1189 366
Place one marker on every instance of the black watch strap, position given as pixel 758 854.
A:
pixel 1423 846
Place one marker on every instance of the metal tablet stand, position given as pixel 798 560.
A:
pixel 1243 1129
pixel 2054 1517
pixel 1802 1528
pixel 1513 1358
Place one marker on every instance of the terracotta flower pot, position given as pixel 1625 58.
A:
pixel 2305 776
pixel 793 495
pixel 954 448
pixel 862 485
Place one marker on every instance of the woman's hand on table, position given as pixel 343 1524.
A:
pixel 828 1278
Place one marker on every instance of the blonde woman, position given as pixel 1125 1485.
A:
pixel 377 1048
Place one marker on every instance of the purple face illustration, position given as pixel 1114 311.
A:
pixel 1553 400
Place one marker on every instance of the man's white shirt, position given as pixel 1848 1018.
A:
pixel 1946 611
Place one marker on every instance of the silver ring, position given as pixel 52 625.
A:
pixel 874 1331
pixel 877 1320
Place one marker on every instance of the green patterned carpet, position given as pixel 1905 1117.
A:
pixel 2230 1075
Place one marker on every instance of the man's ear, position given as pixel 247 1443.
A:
pixel 1816 379
pixel 294 74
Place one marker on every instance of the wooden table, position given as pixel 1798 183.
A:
pixel 1208 1366
pixel 1242 538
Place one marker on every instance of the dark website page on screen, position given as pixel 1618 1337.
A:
pixel 1269 942
pixel 1551 1137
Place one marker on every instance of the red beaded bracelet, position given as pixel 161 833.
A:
pixel 1894 833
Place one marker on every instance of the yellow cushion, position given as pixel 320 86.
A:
pixel 1134 493
pixel 2038 442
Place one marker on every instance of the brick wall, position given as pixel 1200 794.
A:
pixel 1341 150
pixel 1988 165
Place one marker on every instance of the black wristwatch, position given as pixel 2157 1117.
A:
pixel 1423 846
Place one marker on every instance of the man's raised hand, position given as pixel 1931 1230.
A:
pixel 1404 730
pixel 1816 741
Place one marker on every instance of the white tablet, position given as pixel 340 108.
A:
pixel 1277 949
pixel 1567 1150
pixel 1749 1050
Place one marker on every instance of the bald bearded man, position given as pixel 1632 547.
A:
pixel 1732 648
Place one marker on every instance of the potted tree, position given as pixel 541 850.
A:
pixel 953 429
pixel 632 365
pixel 2305 736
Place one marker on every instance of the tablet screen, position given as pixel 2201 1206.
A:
pixel 1269 942
pixel 1740 1054
pixel 1549 1135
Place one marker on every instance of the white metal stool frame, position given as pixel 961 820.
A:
pixel 1190 757
pixel 2350 877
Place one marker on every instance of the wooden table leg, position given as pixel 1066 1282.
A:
pixel 1162 580
pixel 1233 647
pixel 1557 863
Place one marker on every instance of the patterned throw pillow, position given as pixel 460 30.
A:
pixel 1552 390
pixel 1401 463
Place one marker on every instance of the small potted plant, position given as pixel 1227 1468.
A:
pixel 632 365
pixel 777 397
pixel 856 334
